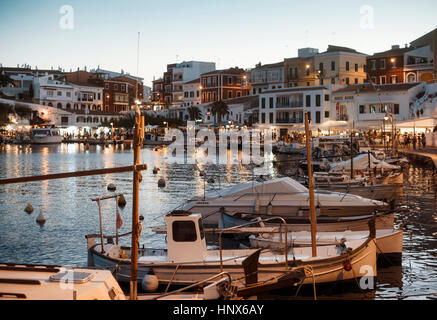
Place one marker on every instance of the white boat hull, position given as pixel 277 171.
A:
pixel 324 270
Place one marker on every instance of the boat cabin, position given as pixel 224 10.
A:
pixel 45 132
pixel 185 237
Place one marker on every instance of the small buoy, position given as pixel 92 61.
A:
pixel 155 170
pixel 150 283
pixel 121 201
pixel 41 219
pixel 29 208
pixel 161 183
pixel 111 187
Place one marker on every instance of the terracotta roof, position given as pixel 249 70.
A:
pixel 332 49
pixel 271 65
pixel 389 53
pixel 193 81
pixel 226 71
pixel 368 88
pixel 296 89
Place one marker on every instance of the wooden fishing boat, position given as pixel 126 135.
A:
pixel 388 241
pixel 283 197
pixel 187 260
pixel 43 282
pixel 324 224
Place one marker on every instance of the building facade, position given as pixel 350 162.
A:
pixel 266 77
pixel 224 84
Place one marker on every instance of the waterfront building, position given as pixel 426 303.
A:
pixel 191 93
pixel 157 95
pixel 266 77
pixel 300 71
pixel 365 106
pixel 224 84
pixel 340 66
pixel 283 109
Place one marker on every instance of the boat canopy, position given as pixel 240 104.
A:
pixel 361 162
pixel 280 185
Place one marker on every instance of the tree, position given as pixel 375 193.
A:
pixel 219 109
pixel 194 113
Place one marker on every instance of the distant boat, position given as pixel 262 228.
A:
pixel 45 136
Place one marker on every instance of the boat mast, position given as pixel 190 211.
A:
pixel 311 187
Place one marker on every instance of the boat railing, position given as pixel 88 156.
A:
pixel 266 193
pixel 199 284
pixel 257 221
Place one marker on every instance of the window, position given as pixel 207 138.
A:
pixel 373 64
pixel 238 93
pixel 317 116
pixel 263 118
pixel 382 64
pixel 356 67
pixel 115 86
pixel 332 80
pixel 271 102
pixel 184 231
pixel 229 94
pixel 59 93
pixel 263 103
pixel 49 93
pixel 106 85
pixel 332 65
pixel 191 94
pixel 326 97
pixel 308 101
pixel 308 71
pixel 123 87
pixel 98 96
pixel 68 94
pixel 356 80
pixel 308 84
pixel 373 79
pixel 326 114
pixel 197 94
pixel 229 80
pixel 318 98
pixel 347 81
pixel 362 109
pixel 382 79
pixel 321 66
pixel 186 94
pixel 396 109
pixel 347 66
pixel 271 117
pixel 394 79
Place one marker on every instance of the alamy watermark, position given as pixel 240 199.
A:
pixel 367 21
pixel 206 147
pixel 66 22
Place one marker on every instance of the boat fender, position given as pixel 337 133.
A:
pixel 161 183
pixel 150 283
pixel 121 201
pixel 29 208
pixel 41 219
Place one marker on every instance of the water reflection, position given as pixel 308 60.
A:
pixel 71 214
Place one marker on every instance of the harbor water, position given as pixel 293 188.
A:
pixel 71 214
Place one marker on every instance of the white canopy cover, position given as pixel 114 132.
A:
pixel 361 162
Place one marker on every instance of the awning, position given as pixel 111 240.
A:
pixel 427 123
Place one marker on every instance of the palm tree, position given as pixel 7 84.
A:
pixel 194 113
pixel 219 109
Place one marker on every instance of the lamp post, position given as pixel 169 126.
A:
pixel 385 137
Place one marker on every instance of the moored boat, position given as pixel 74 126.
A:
pixel 46 135
pixel 187 259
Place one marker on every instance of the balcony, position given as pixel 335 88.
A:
pixel 290 105
pixel 342 117
pixel 289 120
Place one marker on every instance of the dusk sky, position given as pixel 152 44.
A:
pixel 228 32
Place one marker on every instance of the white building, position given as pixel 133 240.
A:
pixel 191 93
pixel 283 109
pixel 365 106
pixel 185 72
